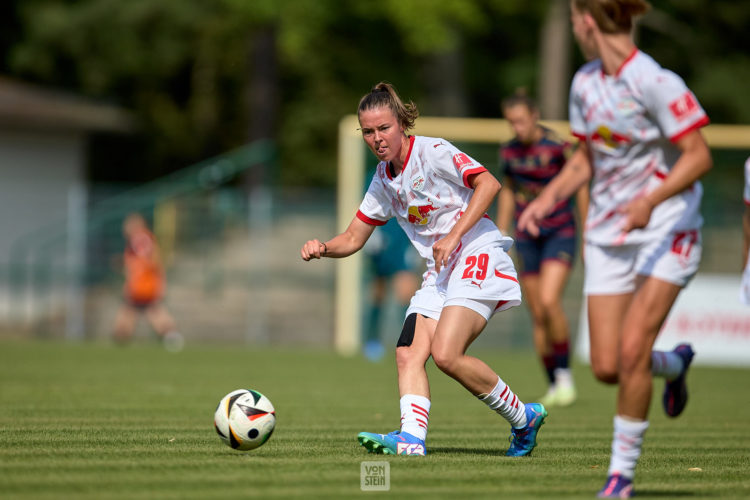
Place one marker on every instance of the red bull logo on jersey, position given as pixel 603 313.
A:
pixel 420 215
pixel 610 138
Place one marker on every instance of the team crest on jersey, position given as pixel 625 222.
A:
pixel 420 214
pixel 627 106
pixel 684 106
pixel 417 182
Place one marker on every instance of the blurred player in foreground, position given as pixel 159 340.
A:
pixel 390 254
pixel 144 286
pixel 439 196
pixel 528 162
pixel 641 147
pixel 745 290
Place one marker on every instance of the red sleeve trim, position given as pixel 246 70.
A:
pixel 367 220
pixel 700 123
pixel 579 136
pixel 747 203
pixel 467 173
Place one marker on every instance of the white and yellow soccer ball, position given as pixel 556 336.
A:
pixel 244 419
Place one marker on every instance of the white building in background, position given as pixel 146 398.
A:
pixel 43 145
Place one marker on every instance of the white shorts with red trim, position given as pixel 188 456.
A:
pixel 483 280
pixel 612 270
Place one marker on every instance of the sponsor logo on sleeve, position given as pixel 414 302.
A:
pixel 462 161
pixel 684 106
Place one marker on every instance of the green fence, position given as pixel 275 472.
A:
pixel 55 272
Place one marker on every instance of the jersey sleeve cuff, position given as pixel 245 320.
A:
pixel 367 220
pixel 693 126
pixel 468 172
pixel 578 135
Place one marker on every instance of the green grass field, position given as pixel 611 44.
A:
pixel 94 421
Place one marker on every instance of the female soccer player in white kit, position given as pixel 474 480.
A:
pixel 439 196
pixel 642 150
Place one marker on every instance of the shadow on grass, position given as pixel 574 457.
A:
pixel 467 451
pixel 641 493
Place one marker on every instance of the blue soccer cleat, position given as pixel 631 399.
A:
pixel 617 487
pixel 393 443
pixel 523 440
pixel 675 392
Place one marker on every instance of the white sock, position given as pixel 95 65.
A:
pixel 415 415
pixel 666 364
pixel 563 377
pixel 503 401
pixel 626 445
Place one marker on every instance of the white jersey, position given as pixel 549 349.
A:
pixel 745 288
pixel 428 197
pixel 630 122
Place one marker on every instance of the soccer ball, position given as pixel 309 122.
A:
pixel 244 419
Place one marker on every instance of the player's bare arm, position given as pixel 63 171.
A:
pixel 342 245
pixel 574 175
pixel 506 206
pixel 582 204
pixel 486 187
pixel 694 162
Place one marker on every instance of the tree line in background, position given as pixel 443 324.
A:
pixel 205 77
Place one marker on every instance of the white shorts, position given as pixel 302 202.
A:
pixel 483 280
pixel 612 270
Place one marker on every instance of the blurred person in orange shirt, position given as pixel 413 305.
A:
pixel 144 287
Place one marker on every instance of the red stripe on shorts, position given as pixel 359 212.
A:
pixel 505 276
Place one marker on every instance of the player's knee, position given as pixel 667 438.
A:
pixel 403 358
pixel 539 314
pixel 408 358
pixel 633 361
pixel 540 317
pixel 549 306
pixel 446 357
pixel 445 360
pixel 604 372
